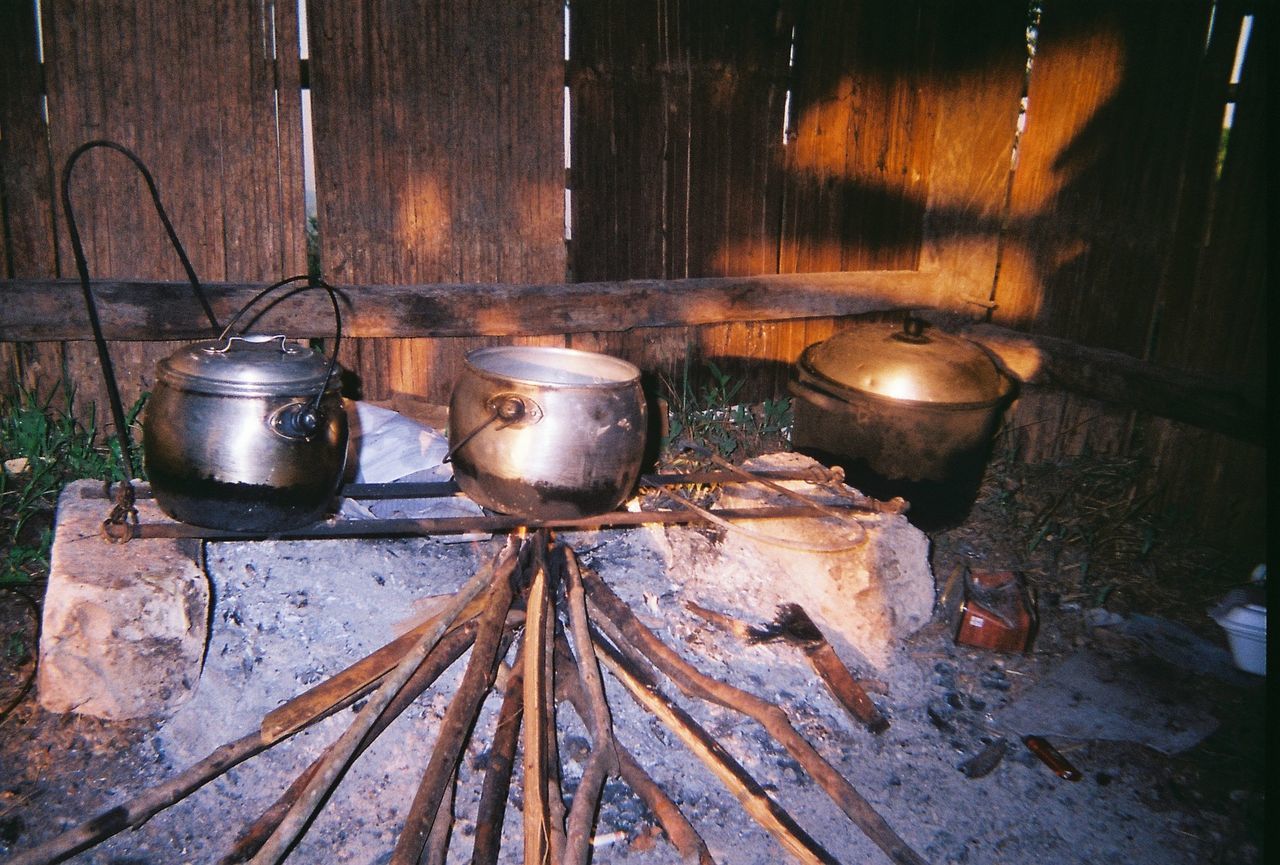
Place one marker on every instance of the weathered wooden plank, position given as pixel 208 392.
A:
pixel 1094 199
pixel 677 114
pixel 26 241
pixel 858 165
pixel 439 157
pixel 1214 402
pixel 193 89
pixel 1215 318
pixel 979 72
pixel 148 310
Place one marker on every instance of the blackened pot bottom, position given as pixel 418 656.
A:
pixel 237 507
pixel 536 500
pixel 934 505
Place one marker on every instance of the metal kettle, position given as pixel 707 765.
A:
pixel 247 432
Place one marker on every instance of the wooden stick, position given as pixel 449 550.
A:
pixel 440 659
pixel 763 809
pixel 437 846
pixel 278 845
pixel 680 831
pixel 456 725
pixel 695 684
pixel 359 677
pixel 303 710
pixel 602 759
pixel 537 815
pixel 497 776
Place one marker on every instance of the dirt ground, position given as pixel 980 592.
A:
pixel 1088 553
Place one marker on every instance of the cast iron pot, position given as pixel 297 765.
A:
pixel 547 433
pixel 246 433
pixel 904 412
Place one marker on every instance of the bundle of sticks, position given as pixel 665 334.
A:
pixel 561 624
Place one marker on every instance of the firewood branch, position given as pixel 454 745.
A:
pixel 440 659
pixel 499 765
pixel 694 683
pixel 458 721
pixel 688 843
pixel 762 808
pixel 602 759
pixel 278 845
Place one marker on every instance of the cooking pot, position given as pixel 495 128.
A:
pixel 246 432
pixel 547 433
pixel 903 411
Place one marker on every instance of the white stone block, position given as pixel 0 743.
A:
pixel 865 599
pixel 125 625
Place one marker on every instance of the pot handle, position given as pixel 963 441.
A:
pixel 299 420
pixel 506 407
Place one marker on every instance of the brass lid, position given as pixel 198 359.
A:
pixel 904 363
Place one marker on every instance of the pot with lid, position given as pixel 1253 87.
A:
pixel 547 433
pixel 904 412
pixel 246 433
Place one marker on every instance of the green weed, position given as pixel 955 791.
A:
pixel 43 447
pixel 707 414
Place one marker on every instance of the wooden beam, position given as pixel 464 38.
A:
pixel 1223 405
pixel 50 309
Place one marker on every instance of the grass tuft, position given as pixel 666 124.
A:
pixel 43 446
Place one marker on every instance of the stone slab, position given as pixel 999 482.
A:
pixel 125 625
pixel 865 599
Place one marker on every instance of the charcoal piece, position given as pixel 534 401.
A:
pixel 985 761
pixel 942 716
pixel 994 679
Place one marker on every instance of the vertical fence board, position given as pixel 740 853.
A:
pixel 1215 320
pixel 439 158
pixel 677 115
pixel 26 182
pixel 192 89
pixel 1097 184
pixel 978 82
pixel 1095 195
pixel 858 168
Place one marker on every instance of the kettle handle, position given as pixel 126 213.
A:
pixel 307 415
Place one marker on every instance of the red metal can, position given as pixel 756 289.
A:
pixel 997 612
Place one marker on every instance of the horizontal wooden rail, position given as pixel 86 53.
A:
pixel 34 310
pixel 1230 406
pixel 51 309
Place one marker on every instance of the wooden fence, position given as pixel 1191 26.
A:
pixel 869 143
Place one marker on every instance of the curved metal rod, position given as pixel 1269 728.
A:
pixel 82 268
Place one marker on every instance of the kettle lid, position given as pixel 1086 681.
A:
pixel 258 365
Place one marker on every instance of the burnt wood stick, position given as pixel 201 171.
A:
pixel 357 678
pixel 498 767
pixel 602 759
pixel 306 710
pixel 762 808
pixel 458 720
pixel 295 821
pixel 437 847
pixel 725 622
pixel 680 832
pixel 440 659
pixel 145 805
pixel 537 714
pixel 846 689
pixel 793 625
pixel 696 684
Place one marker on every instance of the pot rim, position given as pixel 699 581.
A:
pixel 583 370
